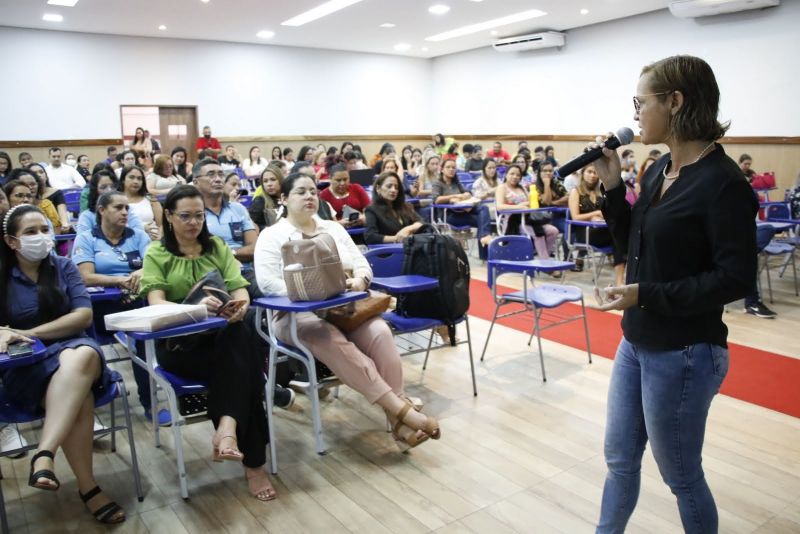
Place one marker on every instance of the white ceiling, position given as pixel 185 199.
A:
pixel 354 28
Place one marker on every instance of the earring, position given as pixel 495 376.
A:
pixel 170 226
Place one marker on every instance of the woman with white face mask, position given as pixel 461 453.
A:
pixel 42 296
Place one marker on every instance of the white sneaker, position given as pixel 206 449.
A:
pixel 11 439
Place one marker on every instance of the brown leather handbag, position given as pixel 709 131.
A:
pixel 350 316
pixel 312 268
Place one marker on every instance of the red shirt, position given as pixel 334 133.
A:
pixel 203 143
pixel 357 198
pixel 502 155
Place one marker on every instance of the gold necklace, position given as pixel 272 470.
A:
pixel 678 172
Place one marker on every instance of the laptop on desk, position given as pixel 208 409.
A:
pixel 362 177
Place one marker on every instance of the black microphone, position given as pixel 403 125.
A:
pixel 624 136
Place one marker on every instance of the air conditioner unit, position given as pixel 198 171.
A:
pixel 690 9
pixel 533 41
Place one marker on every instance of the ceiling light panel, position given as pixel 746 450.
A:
pixel 318 12
pixel 439 9
pixel 62 3
pixel 402 47
pixel 52 17
pixel 265 34
pixel 387 25
pixel 487 25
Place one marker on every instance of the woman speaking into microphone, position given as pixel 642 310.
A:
pixel 691 248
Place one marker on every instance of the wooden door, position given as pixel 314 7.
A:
pixel 178 125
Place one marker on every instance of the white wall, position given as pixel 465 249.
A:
pixel 587 86
pixel 74 84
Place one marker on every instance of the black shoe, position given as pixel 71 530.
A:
pixel 283 397
pixel 760 310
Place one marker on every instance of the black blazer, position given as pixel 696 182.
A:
pixel 382 222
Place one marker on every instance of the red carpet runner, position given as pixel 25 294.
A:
pixel 755 376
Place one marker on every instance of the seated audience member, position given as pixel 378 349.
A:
pixel 276 154
pixel 448 190
pixel 553 193
pixel 111 255
pixel 111 155
pixel 416 162
pixel 163 178
pixel 233 187
pixel 538 158
pixel 154 142
pixel 629 170
pixel 254 164
pixel 521 161
pixel 348 200
pixel 406 159
pixel 326 211
pixel 56 196
pixel 391 164
pixel 486 185
pixel 25 159
pixel 180 162
pixel 288 157
pixel 5 167
pixel 655 154
pixel 281 166
pixel 62 176
pixel 230 159
pixel 224 219
pixel 83 167
pixel 550 155
pixel 746 163
pixel 230 359
pixel 42 296
pixel 347 146
pixel 322 162
pixel 464 157
pixel 365 359
pixel 17 195
pixel 126 159
pixel 498 154
pixel 389 219
pixel 141 204
pixel 102 182
pixel 266 205
pixel 452 153
pixel 512 194
pixel 386 150
pixel 475 162
pixel 306 154
pixel 584 205
pixel 208 143
pixel 353 161
pixel 141 145
pixel 4 207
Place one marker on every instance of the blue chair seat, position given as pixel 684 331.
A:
pixel 546 296
pixel 403 325
pixel 777 247
pixel 182 386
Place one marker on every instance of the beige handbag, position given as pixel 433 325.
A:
pixel 312 268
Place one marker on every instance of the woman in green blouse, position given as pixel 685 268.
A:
pixel 230 359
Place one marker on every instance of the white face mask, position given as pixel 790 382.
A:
pixel 72 162
pixel 35 247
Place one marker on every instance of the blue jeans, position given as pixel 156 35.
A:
pixel 663 397
pixel 478 217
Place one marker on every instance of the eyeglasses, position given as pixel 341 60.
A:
pixel 188 217
pixel 637 103
pixel 26 196
pixel 211 175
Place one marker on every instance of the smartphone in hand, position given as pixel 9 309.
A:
pixel 231 307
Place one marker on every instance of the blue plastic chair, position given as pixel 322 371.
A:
pixel 519 250
pixel 72 198
pixel 387 262
pixel 596 256
pixel 767 248
pixel 10 413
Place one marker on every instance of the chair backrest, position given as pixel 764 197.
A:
pixel 778 211
pixel 510 248
pixel 764 234
pixel 386 261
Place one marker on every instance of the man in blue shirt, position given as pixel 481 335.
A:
pixel 227 220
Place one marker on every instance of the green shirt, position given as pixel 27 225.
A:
pixel 175 275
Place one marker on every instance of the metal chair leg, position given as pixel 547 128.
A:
pixel 491 326
pixel 131 443
pixel 269 399
pixel 539 341
pixel 471 360
pixel 769 279
pixel 3 518
pixel 586 331
pixel 428 352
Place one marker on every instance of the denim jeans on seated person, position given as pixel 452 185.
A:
pixel 664 397
pixel 478 217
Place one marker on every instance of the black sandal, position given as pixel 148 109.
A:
pixel 105 514
pixel 43 473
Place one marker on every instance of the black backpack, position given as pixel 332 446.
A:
pixel 441 257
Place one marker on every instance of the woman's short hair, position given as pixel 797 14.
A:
pixel 696 120
pixel 745 157
pixel 19 172
pixel 160 164
pixel 94 194
pixel 170 242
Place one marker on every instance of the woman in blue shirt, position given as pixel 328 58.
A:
pixel 102 182
pixel 42 296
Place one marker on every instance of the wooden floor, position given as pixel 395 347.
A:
pixel 523 456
